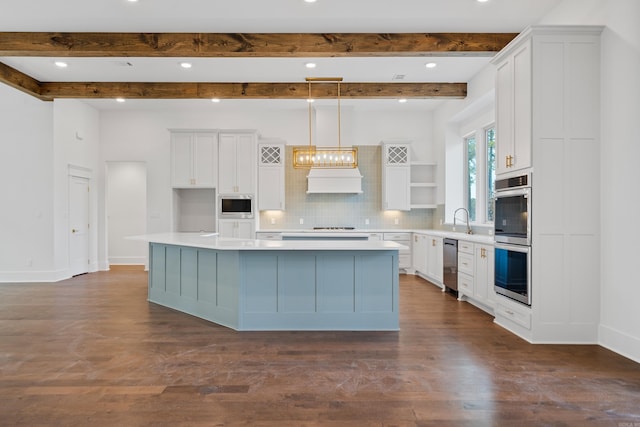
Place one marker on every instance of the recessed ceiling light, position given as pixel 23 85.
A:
pixel 119 99
pixel 430 65
pixel 310 65
pixel 61 64
pixel 310 100
pixel 482 1
pixel 185 64
pixel 402 100
pixel 132 1
pixel 309 1
pixel 215 99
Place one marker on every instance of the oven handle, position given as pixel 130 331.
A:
pixel 526 191
pixel 514 248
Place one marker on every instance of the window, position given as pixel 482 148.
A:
pixel 471 191
pixel 490 137
pixel 480 174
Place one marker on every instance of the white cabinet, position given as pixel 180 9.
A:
pixel 484 276
pixel 194 159
pixel 271 190
pixel 475 274
pixel 513 110
pixel 548 99
pixel 466 269
pixel 427 256
pixel 239 228
pixel 435 261
pixel 423 185
pixel 268 235
pixel 237 172
pixel 396 176
pixel 404 255
pixel 420 242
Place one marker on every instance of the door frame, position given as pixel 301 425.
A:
pixel 85 173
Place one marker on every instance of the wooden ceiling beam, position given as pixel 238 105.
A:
pixel 209 45
pixel 168 90
pixel 20 81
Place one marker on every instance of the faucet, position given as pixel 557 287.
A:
pixel 469 231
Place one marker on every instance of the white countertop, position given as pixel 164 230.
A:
pixel 212 241
pixel 476 238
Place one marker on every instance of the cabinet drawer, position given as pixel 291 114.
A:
pixel 465 283
pixel 465 263
pixel 397 236
pixel 268 236
pixel 375 236
pixel 465 247
pixel 520 316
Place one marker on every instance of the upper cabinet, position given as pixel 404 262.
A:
pixel 396 176
pixel 513 109
pixel 194 159
pixel 271 174
pixel 237 174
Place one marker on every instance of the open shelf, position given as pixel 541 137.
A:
pixel 423 185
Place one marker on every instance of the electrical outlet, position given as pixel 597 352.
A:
pixel 366 221
pixel 301 221
pixel 396 221
pixel 273 221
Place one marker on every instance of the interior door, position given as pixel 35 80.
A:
pixel 78 225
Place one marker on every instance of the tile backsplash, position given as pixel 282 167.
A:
pixel 341 210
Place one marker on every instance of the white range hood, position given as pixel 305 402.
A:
pixel 336 180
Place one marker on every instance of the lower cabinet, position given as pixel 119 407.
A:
pixel 435 261
pixel 420 253
pixel 475 275
pixel 239 228
pixel 428 257
pixel 268 235
pixel 404 255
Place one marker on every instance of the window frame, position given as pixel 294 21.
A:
pixel 481 173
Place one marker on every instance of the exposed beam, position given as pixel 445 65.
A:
pixel 249 44
pixel 19 80
pixel 136 90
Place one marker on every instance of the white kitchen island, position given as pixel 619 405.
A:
pixel 276 285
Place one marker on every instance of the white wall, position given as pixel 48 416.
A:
pixel 620 151
pixel 451 122
pixel 75 142
pixel 143 136
pixel 26 188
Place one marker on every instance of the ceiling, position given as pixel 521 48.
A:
pixel 264 16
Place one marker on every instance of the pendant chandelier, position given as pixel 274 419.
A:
pixel 324 157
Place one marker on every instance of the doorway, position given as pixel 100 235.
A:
pixel 126 207
pixel 78 225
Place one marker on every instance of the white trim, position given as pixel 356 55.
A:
pixel 34 276
pixel 620 342
pixel 127 260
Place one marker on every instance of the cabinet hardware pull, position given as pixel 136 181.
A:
pixel 509 312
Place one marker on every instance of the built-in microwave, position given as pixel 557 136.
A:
pixel 512 210
pixel 513 272
pixel 236 206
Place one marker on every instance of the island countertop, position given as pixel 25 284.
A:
pixel 213 241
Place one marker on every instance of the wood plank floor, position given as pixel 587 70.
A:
pixel 91 351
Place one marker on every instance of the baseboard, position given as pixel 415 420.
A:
pixel 620 342
pixel 127 267
pixel 34 276
pixel 127 260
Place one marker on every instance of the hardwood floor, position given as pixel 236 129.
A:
pixel 92 351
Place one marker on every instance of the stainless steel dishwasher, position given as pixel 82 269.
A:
pixel 450 264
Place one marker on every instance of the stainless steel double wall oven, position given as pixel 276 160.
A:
pixel 512 230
